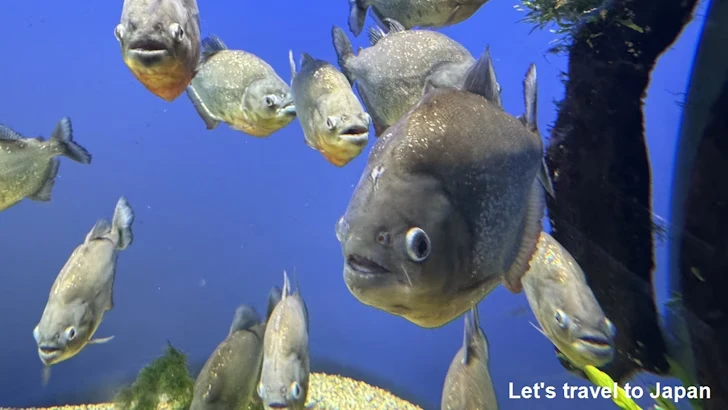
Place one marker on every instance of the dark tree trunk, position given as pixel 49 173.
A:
pixel 598 158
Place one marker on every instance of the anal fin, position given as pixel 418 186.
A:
pixel 45 191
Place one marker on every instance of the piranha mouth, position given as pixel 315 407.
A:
pixel 355 134
pixel 48 353
pixel 278 406
pixel 148 51
pixel 597 345
pixel 288 109
pixel 366 266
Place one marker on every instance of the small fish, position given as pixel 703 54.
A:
pixel 468 384
pixel 286 367
pixel 449 205
pixel 29 166
pixel 160 43
pixel 241 90
pixel 229 377
pixel 392 74
pixel 413 13
pixel 565 307
pixel 83 291
pixel 333 120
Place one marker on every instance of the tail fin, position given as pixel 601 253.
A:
pixel 344 52
pixel 245 318
pixel 123 218
pixel 357 16
pixel 63 137
pixel 274 296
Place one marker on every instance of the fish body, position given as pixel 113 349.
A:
pixel 565 307
pixel 29 166
pixel 413 13
pixel 392 75
pixel 468 385
pixel 160 43
pixel 332 118
pixel 83 290
pixel 449 205
pixel 241 90
pixel 229 378
pixel 286 366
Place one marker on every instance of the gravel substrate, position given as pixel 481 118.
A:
pixel 331 391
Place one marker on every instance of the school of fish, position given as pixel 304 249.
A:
pixel 449 205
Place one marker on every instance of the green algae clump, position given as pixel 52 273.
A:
pixel 164 384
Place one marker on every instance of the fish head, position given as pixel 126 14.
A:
pixel 160 45
pixel 269 102
pixel 284 382
pixel 579 329
pixel 340 127
pixel 397 242
pixel 63 332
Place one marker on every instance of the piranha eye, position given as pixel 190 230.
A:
pixel 295 390
pixel 70 333
pixel 340 227
pixel 261 390
pixel 561 319
pixel 36 334
pixel 611 329
pixel 176 31
pixel 366 117
pixel 330 123
pixel 119 32
pixel 418 244
pixel 269 100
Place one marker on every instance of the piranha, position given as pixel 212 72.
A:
pixel 160 43
pixel 468 384
pixel 413 13
pixel 449 205
pixel 565 307
pixel 29 166
pixel 332 118
pixel 83 291
pixel 229 377
pixel 392 74
pixel 286 367
pixel 240 89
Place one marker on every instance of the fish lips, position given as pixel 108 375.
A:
pixel 599 348
pixel 49 353
pixel 148 52
pixel 355 134
pixel 362 273
pixel 288 110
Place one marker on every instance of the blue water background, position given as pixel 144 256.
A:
pixel 220 215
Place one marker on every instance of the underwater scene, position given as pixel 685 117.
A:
pixel 364 204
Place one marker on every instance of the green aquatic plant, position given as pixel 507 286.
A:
pixel 602 379
pixel 165 383
pixel 566 15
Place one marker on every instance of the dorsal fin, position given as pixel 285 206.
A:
pixel 480 79
pixel 394 25
pixel 211 45
pixel 274 296
pixel 245 317
pixel 375 34
pixel 306 59
pixel 530 97
pixel 292 63
pixel 9 135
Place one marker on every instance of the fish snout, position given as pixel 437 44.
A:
pixel 148 52
pixel 342 229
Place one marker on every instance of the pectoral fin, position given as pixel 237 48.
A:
pixel 100 340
